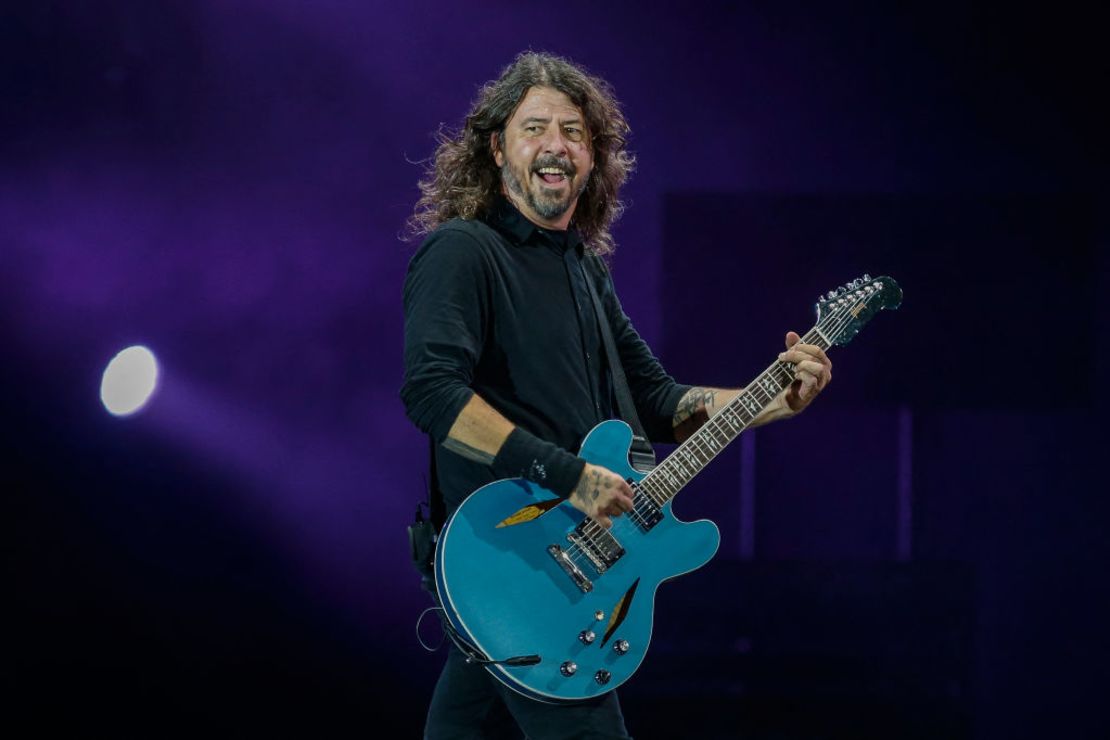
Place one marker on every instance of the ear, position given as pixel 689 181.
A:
pixel 495 147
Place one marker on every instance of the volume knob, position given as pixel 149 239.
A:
pixel 587 637
pixel 568 668
pixel 602 676
pixel 620 647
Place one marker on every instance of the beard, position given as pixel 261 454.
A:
pixel 547 203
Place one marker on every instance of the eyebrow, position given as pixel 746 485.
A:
pixel 537 119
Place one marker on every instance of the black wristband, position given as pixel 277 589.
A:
pixel 527 456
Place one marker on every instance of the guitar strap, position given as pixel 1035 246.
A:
pixel 641 455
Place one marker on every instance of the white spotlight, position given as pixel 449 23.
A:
pixel 129 381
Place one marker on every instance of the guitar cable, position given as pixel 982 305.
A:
pixel 473 655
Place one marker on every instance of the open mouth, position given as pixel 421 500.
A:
pixel 552 175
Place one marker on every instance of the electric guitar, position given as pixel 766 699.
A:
pixel 560 609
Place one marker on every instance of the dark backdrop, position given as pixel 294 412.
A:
pixel 919 555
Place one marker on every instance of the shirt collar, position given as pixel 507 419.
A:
pixel 505 217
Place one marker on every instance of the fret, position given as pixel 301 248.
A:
pixel 750 404
pixel 783 375
pixel 656 491
pixel 682 466
pixel 824 343
pixel 842 311
pixel 670 477
pixel 720 436
pixel 657 494
pixel 730 418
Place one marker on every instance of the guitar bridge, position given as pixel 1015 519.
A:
pixel 567 564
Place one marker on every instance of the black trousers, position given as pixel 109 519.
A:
pixel 470 703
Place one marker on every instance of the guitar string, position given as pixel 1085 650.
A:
pixel 671 468
pixel 591 530
pixel 647 485
pixel 698 444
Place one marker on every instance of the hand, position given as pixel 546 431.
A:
pixel 812 372
pixel 601 494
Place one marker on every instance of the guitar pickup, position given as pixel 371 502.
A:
pixel 646 511
pixel 564 560
pixel 601 548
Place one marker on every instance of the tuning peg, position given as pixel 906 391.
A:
pixel 866 278
pixel 830 295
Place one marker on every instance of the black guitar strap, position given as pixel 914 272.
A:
pixel 642 455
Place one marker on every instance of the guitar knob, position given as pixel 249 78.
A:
pixel 568 668
pixel 599 615
pixel 602 676
pixel 620 647
pixel 587 637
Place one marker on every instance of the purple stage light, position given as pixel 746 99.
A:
pixel 129 381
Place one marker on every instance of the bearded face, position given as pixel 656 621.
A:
pixel 545 157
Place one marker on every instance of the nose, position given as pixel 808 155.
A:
pixel 555 141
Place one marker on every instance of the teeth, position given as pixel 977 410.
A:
pixel 551 171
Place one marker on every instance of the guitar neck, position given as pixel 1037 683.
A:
pixel 680 467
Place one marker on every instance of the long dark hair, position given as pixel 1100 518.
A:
pixel 462 178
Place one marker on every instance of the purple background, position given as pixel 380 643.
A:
pixel 919 555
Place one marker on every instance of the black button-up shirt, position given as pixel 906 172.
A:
pixel 500 307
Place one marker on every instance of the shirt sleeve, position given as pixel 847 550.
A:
pixel 655 393
pixel 446 305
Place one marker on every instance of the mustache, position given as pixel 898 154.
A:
pixel 563 164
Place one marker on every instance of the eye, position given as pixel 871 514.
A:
pixel 533 129
pixel 572 133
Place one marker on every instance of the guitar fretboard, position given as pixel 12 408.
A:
pixel 680 467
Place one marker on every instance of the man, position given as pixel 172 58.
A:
pixel 504 362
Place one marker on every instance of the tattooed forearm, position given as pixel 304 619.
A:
pixel 695 408
pixel 696 401
pixel 470 453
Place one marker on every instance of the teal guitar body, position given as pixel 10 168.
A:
pixel 508 593
pixel 560 609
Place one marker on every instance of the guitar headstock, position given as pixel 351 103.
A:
pixel 841 313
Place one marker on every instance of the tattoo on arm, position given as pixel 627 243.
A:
pixel 470 453
pixel 590 487
pixel 692 411
pixel 695 400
